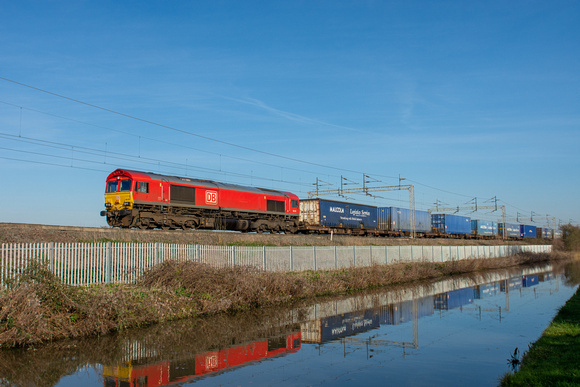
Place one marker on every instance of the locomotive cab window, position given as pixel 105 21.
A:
pixel 112 186
pixel 125 185
pixel 294 203
pixel 142 187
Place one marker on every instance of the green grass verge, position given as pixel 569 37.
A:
pixel 553 360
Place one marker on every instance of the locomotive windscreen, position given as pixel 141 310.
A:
pixel 182 194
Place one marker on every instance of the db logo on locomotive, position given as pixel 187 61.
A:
pixel 211 197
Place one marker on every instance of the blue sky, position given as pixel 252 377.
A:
pixel 463 99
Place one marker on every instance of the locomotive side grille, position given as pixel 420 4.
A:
pixel 276 206
pixel 182 194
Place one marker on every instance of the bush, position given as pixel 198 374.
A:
pixel 571 237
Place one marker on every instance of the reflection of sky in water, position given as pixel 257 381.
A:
pixel 457 343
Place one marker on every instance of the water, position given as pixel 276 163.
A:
pixel 459 331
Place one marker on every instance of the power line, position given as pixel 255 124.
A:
pixel 125 157
pixel 156 140
pixel 180 130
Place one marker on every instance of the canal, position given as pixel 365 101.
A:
pixel 457 331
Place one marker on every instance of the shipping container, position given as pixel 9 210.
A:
pixel 545 277
pixel 483 227
pixel 512 230
pixel 453 299
pixel 529 280
pixel 527 231
pixel 399 219
pixel 330 213
pixel 511 284
pixel 402 312
pixel 451 224
pixel 334 327
pixel 547 233
pixel 557 233
pixel 487 290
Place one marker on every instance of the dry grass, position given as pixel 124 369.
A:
pixel 38 308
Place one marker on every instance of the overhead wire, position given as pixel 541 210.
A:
pixel 160 141
pixel 208 138
pixel 180 130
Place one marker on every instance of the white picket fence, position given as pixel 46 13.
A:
pixel 97 263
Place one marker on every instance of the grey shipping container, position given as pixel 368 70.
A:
pixel 547 233
pixel 331 213
pixel 399 219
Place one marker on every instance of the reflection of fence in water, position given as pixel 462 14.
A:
pixel 94 263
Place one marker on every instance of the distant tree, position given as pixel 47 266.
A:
pixel 571 237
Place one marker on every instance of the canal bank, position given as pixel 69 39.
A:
pixel 454 331
pixel 38 308
pixel 554 359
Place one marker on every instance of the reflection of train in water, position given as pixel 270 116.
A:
pixel 147 200
pixel 147 374
pixel 341 326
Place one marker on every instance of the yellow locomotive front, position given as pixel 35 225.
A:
pixel 119 202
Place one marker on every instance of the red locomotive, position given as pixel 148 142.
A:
pixel 149 200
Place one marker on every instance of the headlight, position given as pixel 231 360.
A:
pixel 107 205
pixel 126 204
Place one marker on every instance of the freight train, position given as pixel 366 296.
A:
pixel 147 200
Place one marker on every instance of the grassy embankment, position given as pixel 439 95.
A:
pixel 554 360
pixel 38 308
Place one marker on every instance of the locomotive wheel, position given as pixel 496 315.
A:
pixel 143 223
pixel 190 224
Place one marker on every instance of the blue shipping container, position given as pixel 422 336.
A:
pixel 483 227
pixel 451 224
pixel 527 231
pixel 402 312
pixel 399 219
pixel 332 213
pixel 512 284
pixel 487 290
pixel 454 299
pixel 348 324
pixel 529 280
pixel 512 230
pixel 547 233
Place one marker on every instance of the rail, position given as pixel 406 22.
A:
pixel 98 263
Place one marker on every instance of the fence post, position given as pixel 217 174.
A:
pixel 156 253
pixel 109 262
pixel 51 257
pixel 314 256
pixel 264 257
pixel 291 259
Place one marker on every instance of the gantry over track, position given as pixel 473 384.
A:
pixel 369 191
